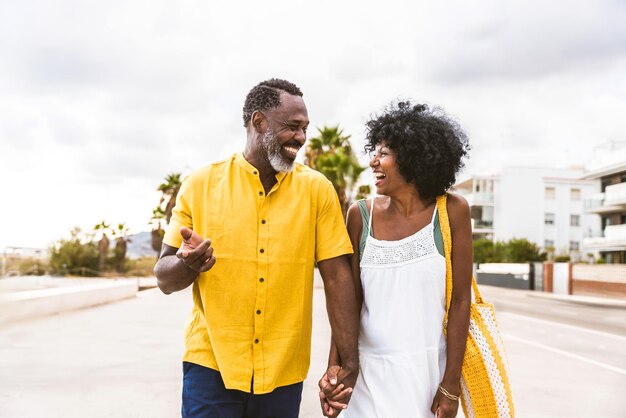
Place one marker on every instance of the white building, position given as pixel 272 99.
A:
pixel 608 168
pixel 543 205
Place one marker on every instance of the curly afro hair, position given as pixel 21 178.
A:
pixel 266 96
pixel 429 146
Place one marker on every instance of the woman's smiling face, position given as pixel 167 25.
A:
pixel 386 172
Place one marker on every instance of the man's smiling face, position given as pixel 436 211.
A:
pixel 286 133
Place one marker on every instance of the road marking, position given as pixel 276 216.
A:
pixel 574 327
pixel 566 354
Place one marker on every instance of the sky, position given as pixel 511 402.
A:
pixel 100 101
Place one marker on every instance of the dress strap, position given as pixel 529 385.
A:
pixel 434 215
pixel 365 219
pixel 369 227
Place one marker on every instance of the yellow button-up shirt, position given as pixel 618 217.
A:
pixel 252 311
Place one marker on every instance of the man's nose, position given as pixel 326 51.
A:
pixel 301 136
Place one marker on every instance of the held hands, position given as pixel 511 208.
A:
pixel 195 252
pixel 335 390
pixel 444 405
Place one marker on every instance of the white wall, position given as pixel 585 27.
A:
pixel 519 205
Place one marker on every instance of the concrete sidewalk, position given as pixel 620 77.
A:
pixel 123 360
pixel 116 360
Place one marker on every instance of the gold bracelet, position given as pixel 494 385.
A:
pixel 448 394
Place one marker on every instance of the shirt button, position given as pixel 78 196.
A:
pixel 258 312
pixel 262 250
pixel 256 341
pixel 261 279
pixel 254 172
pixel 260 193
pixel 263 221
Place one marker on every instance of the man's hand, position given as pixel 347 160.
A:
pixel 335 390
pixel 195 252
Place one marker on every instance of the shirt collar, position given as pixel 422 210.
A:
pixel 243 163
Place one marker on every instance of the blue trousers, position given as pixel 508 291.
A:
pixel 205 396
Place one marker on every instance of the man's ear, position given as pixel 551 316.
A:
pixel 259 122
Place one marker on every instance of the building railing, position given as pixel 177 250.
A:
pixel 485 197
pixel 481 224
pixel 615 232
pixel 615 194
pixel 594 201
pixel 612 235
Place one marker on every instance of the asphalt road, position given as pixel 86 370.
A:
pixel 566 359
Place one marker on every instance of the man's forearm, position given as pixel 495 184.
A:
pixel 343 316
pixel 173 275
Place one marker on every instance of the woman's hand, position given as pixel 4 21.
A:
pixel 334 396
pixel 443 407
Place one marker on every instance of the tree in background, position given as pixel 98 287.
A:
pixel 331 154
pixel 103 243
pixel 512 251
pixel 523 251
pixel 163 212
pixel 75 255
pixel 121 245
pixel 484 250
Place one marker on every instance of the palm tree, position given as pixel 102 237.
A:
pixel 157 233
pixel 331 154
pixel 169 190
pixel 103 244
pixel 121 245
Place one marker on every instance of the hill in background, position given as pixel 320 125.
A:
pixel 139 245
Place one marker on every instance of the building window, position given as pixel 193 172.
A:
pixel 549 219
pixel 550 193
pixel 574 245
pixel 575 194
pixel 548 243
pixel 574 220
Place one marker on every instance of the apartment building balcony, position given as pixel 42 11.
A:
pixel 613 239
pixel 615 194
pixel 480 226
pixel 611 201
pixel 480 199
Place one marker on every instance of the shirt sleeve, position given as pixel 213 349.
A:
pixel 331 235
pixel 181 215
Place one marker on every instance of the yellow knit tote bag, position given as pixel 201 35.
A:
pixel 485 389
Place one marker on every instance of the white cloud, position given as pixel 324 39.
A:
pixel 100 101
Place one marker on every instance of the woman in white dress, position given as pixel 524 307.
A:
pixel 408 367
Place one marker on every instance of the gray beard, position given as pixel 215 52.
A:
pixel 273 148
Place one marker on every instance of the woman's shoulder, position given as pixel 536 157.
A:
pixel 457 203
pixel 354 217
pixel 458 210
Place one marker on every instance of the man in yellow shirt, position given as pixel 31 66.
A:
pixel 246 232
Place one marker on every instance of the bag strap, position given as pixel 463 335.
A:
pixel 444 222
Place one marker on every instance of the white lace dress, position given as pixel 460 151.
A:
pixel 402 348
